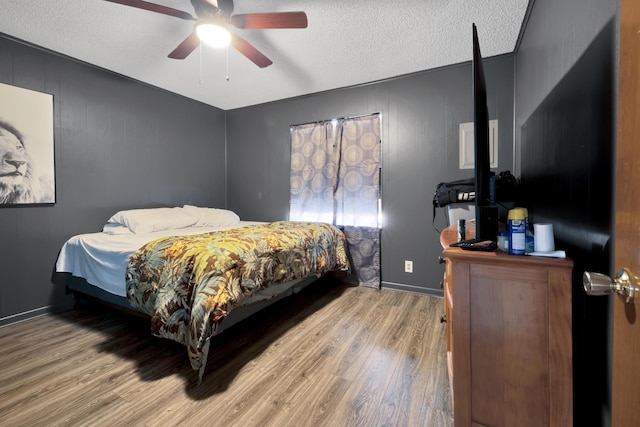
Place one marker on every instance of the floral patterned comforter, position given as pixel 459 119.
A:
pixel 188 284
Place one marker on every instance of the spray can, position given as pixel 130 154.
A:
pixel 517 231
pixel 529 243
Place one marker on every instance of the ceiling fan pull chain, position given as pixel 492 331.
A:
pixel 227 63
pixel 201 82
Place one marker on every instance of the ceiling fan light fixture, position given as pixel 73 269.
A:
pixel 212 34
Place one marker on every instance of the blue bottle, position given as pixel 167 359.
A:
pixel 517 231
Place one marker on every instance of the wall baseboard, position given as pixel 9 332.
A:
pixel 412 288
pixel 41 311
pixel 25 315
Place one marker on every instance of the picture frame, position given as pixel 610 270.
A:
pixel 27 163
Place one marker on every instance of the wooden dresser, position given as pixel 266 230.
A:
pixel 508 337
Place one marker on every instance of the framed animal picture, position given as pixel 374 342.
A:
pixel 27 170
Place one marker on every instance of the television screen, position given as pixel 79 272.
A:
pixel 486 211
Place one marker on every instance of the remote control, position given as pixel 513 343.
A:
pixel 485 246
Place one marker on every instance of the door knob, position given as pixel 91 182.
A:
pixel 625 284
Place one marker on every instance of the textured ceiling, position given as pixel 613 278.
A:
pixel 346 43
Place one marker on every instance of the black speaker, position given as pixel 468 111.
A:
pixel 487 228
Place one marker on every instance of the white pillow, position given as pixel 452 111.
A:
pixel 142 221
pixel 114 229
pixel 212 217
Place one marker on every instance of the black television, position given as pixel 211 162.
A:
pixel 486 209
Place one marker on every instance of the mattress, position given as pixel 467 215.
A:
pixel 101 258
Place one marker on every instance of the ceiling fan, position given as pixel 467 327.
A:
pixel 213 17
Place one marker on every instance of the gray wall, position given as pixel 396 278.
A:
pixel 420 118
pixel 565 126
pixel 118 145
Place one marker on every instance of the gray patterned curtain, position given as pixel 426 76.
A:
pixel 335 177
pixel 313 172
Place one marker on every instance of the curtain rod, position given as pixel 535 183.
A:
pixel 337 118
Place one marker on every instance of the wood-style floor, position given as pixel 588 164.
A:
pixel 333 355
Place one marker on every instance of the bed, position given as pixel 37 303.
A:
pixel 196 271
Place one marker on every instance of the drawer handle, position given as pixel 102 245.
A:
pixel 443 318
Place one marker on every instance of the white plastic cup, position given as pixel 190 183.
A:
pixel 543 238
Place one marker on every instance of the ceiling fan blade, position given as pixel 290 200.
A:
pixel 255 21
pixel 187 46
pixel 245 48
pixel 145 5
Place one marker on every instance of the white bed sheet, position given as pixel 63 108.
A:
pixel 101 259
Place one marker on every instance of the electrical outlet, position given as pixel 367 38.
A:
pixel 408 266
